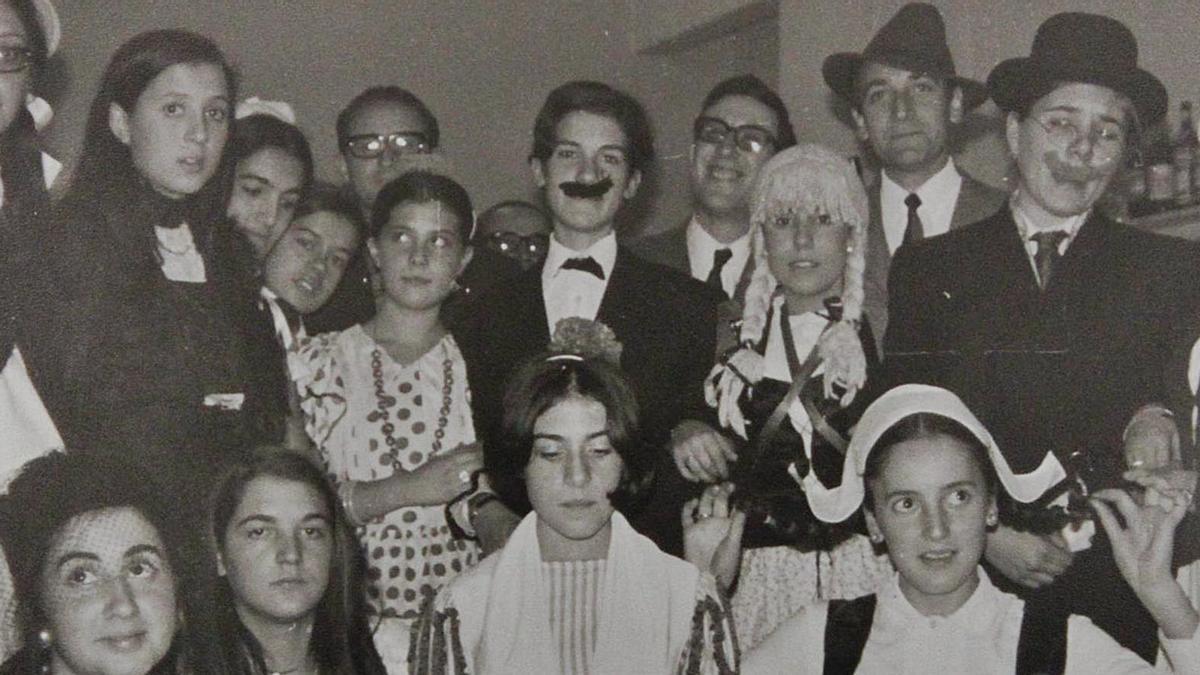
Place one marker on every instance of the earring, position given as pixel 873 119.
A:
pixel 992 519
pixel 45 638
pixel 849 249
pixel 876 538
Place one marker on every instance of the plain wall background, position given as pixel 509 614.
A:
pixel 485 67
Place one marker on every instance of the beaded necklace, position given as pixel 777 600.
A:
pixel 383 400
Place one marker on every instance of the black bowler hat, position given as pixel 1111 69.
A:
pixel 1079 47
pixel 914 40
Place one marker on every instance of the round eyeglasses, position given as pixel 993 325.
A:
pixel 1064 130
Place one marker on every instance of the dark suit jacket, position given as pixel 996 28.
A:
pixel 976 201
pixel 670 249
pixel 1059 370
pixel 666 323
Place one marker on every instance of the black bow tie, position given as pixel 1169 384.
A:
pixel 587 264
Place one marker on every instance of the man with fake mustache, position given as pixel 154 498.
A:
pixel 592 146
pixel 1056 324
pixel 906 98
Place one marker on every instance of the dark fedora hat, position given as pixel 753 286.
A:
pixel 914 40
pixel 1079 47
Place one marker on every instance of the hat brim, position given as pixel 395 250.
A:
pixel 1016 84
pixel 841 72
pixel 50 24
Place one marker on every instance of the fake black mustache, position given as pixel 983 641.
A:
pixel 579 190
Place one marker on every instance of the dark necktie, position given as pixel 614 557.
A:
pixel 587 264
pixel 914 231
pixel 720 257
pixel 1047 255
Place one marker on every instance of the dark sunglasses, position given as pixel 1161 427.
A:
pixel 370 146
pixel 747 137
pixel 514 245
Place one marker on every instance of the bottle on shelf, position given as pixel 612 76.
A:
pixel 1186 147
pixel 1158 157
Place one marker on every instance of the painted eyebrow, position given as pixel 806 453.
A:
pixel 316 516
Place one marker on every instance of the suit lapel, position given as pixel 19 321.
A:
pixel 677 248
pixel 615 306
pixel 975 202
pixel 529 304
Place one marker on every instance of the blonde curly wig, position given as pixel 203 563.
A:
pixel 804 180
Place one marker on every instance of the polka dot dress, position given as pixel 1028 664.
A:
pixel 410 551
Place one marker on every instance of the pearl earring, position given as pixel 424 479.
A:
pixel 44 638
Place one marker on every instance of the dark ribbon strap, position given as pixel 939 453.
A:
pixel 801 372
pixel 819 423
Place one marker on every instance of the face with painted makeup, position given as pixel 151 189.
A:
pixel 932 506
pixel 589 149
pixel 1069 147
pixel 177 128
pixel 572 470
pixel 108 593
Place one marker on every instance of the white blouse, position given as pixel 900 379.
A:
pixel 981 637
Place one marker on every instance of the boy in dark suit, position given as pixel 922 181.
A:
pixel 591 147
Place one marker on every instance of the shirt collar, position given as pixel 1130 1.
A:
pixel 604 251
pixel 1026 227
pixel 943 182
pixel 702 245
pixel 896 617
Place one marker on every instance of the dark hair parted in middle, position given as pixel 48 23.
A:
pixel 106 162
pixel 599 99
pixel 256 132
pixel 341 637
pixel 924 425
pixel 752 87
pixel 423 187
pixel 386 94
pixel 535 388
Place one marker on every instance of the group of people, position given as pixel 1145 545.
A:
pixel 837 421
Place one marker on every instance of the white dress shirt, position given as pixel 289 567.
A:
pixel 981 637
pixel 1026 228
pixel 939 196
pixel 574 293
pixel 701 246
